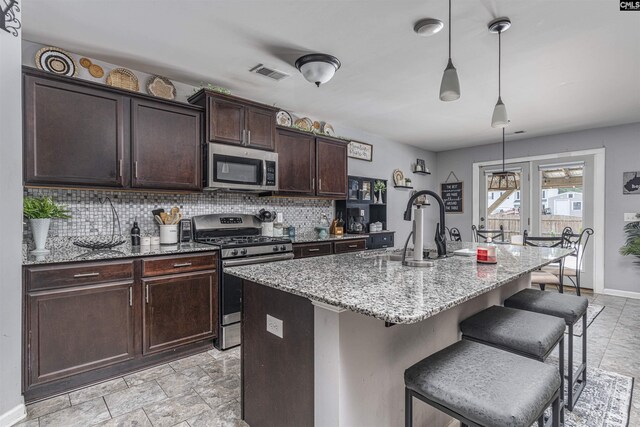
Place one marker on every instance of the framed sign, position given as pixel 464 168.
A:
pixel 360 151
pixel 631 182
pixel 452 195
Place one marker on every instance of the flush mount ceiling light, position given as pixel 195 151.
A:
pixel 499 118
pixel 450 85
pixel 428 27
pixel 504 180
pixel 318 68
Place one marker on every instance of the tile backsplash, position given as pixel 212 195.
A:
pixel 89 217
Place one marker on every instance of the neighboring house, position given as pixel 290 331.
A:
pixel 509 205
pixel 569 204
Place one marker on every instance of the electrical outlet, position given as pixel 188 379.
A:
pixel 630 217
pixel 274 326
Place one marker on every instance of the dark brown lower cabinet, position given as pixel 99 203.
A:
pixel 179 309
pixel 78 329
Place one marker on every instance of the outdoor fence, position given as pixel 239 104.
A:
pixel 552 225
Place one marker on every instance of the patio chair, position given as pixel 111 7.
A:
pixel 483 233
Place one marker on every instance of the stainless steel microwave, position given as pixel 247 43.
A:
pixel 240 168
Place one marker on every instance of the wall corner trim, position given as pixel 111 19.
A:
pixel 14 415
pixel 619 293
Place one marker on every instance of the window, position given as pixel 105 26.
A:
pixel 577 206
pixel 517 195
pixel 570 195
pixel 544 194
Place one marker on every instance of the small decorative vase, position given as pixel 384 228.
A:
pixel 40 231
pixel 379 197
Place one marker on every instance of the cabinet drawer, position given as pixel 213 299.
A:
pixel 50 277
pixel 350 246
pixel 380 241
pixel 313 249
pixel 178 264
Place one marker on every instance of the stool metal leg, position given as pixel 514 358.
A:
pixel 408 408
pixel 555 412
pixel 569 403
pixel 561 369
pixel 584 347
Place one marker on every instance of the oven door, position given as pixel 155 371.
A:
pixel 231 298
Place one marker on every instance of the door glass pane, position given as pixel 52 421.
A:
pixel 504 208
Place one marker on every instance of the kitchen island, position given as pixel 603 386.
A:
pixel 326 340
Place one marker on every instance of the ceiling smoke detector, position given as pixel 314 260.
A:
pixel 271 73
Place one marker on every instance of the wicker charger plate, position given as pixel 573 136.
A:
pixel 56 61
pixel 124 79
pixel 161 87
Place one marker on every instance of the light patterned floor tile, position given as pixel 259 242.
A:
pixel 185 381
pixel 136 418
pixel 97 390
pixel 222 390
pixel 148 375
pixel 174 410
pixel 226 415
pixel 124 401
pixel 85 414
pixel 190 361
pixel 47 406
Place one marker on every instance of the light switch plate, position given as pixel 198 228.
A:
pixel 274 326
pixel 630 217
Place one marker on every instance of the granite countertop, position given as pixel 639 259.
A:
pixel 312 237
pixel 62 250
pixel 366 283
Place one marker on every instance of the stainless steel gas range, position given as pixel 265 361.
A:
pixel 238 237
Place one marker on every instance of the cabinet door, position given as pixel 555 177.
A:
pixel 261 127
pixel 296 163
pixel 75 330
pixel 166 146
pixel 226 121
pixel 331 168
pixel 74 135
pixel 179 309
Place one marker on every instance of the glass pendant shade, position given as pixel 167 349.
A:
pixel 502 181
pixel 499 118
pixel 450 86
pixel 318 68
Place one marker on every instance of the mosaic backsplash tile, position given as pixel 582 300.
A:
pixel 89 217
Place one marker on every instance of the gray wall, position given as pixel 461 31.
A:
pixel 622 144
pixel 11 407
pixel 390 155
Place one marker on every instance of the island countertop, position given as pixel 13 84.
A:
pixel 368 284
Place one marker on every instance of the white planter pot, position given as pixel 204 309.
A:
pixel 379 198
pixel 40 231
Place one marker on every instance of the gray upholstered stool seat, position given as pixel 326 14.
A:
pixel 570 308
pixel 525 332
pixel 482 385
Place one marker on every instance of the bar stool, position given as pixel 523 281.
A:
pixel 480 385
pixel 570 308
pixel 526 333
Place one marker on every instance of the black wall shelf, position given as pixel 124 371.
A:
pixel 422 172
pixel 403 186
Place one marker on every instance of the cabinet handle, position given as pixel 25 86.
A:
pixel 80 275
pixel 120 167
pixel 313 184
pixel 135 168
pixel 184 264
pixel 130 296
pixel 313 250
pixel 320 184
pixel 146 294
pixel 244 136
pixel 249 137
pixel 353 246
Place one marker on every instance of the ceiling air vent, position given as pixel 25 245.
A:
pixel 269 72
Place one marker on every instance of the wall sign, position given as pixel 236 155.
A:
pixel 452 193
pixel 360 151
pixel 631 182
pixel 9 21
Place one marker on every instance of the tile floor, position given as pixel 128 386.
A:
pixel 204 390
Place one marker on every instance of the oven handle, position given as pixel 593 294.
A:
pixel 256 260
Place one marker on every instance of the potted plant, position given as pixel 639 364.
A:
pixel 379 187
pixel 39 211
pixel 632 244
pixel 407 182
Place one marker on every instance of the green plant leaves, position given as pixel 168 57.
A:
pixel 43 207
pixel 632 244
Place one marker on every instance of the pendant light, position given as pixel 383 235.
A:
pixel 450 85
pixel 503 181
pixel 499 118
pixel 318 68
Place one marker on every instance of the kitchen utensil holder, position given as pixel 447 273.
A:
pixel 168 234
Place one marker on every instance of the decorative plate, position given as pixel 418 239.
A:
pixel 96 71
pixel 56 61
pixel 123 78
pixel 283 118
pixel 328 130
pixel 317 126
pixel 398 177
pixel 161 87
pixel 85 62
pixel 304 123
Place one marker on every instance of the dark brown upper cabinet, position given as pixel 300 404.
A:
pixel 310 165
pixel 79 133
pixel 237 121
pixel 74 135
pixel 166 146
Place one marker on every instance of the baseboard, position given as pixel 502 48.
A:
pixel 13 416
pixel 618 293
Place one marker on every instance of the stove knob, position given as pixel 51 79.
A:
pixel 283 248
pixel 234 252
pixel 243 251
pixel 275 249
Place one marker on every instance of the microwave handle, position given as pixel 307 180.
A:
pixel 264 173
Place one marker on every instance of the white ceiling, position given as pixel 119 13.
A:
pixel 567 64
